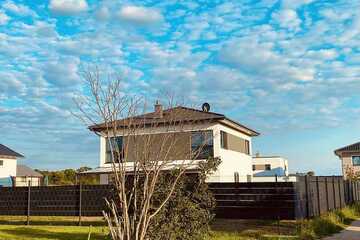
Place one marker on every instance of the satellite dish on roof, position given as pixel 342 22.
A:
pixel 205 107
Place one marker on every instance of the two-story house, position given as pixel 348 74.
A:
pixel 221 137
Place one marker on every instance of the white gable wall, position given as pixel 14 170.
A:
pixel 231 161
pixel 8 168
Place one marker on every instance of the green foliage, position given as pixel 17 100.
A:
pixel 68 177
pixel 329 223
pixel 189 212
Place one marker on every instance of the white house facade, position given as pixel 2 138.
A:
pixel 266 166
pixel 14 174
pixel 226 139
pixel 8 162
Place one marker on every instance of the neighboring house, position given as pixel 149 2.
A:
pixel 26 176
pixel 225 138
pixel 8 162
pixel 350 159
pixel 12 174
pixel 266 166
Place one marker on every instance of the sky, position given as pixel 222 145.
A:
pixel 287 68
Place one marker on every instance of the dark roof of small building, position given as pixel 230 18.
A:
pixel 5 151
pixel 174 115
pixel 25 171
pixel 355 147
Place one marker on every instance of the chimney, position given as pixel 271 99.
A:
pixel 158 109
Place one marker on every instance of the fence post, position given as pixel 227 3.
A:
pixel 28 204
pixel 307 197
pixel 334 194
pixel 350 191
pixel 276 178
pixel 327 194
pixel 339 191
pixel 80 200
pixel 318 194
pixel 354 191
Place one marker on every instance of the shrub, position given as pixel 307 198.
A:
pixel 328 223
pixel 188 213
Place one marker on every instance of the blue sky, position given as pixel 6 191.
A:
pixel 289 69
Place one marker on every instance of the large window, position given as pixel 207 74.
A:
pixel 247 147
pixel 114 147
pixel 356 160
pixel 223 139
pixel 202 146
pixel 234 143
pixel 1 163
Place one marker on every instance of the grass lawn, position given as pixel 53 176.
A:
pixel 64 228
pixel 17 232
pixel 61 228
pixel 223 229
pixel 51 228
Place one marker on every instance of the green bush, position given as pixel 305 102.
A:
pixel 329 223
pixel 188 213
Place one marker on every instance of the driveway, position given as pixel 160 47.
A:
pixel 350 233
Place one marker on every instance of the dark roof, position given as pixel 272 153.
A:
pixel 172 116
pixel 23 171
pixel 350 148
pixel 5 151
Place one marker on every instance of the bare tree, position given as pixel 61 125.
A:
pixel 141 155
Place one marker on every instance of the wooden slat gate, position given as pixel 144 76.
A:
pixel 267 200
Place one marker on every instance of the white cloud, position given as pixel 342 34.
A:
pixel 216 78
pixel 295 3
pixel 323 54
pixel 140 15
pixel 262 63
pixel 287 18
pixel 63 73
pixel 10 85
pixel 18 9
pixel 68 7
pixel 103 13
pixel 3 18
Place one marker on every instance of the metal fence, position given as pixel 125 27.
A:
pixel 305 198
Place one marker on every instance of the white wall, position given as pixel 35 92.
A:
pixel 24 181
pixel 278 165
pixel 232 161
pixel 8 168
